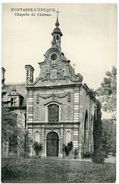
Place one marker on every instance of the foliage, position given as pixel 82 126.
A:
pixel 11 132
pixel 67 148
pixel 97 129
pixel 76 152
pixel 107 96
pixel 9 124
pixel 87 155
pixel 109 137
pixel 99 153
pixel 107 142
pixel 107 91
pixel 37 147
pixel 99 156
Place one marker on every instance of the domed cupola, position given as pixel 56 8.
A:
pixel 57 31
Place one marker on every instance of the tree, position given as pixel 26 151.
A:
pixel 106 94
pixel 8 124
pixel 12 134
pixel 37 147
pixel 109 137
pixel 107 91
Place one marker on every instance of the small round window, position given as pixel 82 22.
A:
pixel 54 56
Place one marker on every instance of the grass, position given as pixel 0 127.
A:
pixel 52 170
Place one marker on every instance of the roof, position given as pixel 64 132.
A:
pixel 57 30
pixel 20 88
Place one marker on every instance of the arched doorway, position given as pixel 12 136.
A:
pixel 52 144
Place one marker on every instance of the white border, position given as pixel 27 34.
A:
pixel 70 1
pixel 59 1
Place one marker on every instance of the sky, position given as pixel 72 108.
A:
pixel 89 38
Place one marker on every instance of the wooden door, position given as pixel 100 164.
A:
pixel 52 144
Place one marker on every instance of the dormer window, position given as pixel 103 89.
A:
pixel 13 102
pixel 15 99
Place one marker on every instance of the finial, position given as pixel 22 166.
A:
pixel 57 22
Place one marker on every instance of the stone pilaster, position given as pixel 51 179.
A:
pixel 43 140
pixel 76 106
pixel 75 138
pixel 81 128
pixel 80 141
pixel 61 141
pixel 30 106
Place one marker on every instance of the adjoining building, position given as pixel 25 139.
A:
pixel 59 107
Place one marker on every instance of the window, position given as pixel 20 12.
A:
pixel 54 56
pixel 13 101
pixel 57 37
pixel 53 113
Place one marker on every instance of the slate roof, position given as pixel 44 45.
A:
pixel 20 88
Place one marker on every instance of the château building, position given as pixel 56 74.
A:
pixel 56 107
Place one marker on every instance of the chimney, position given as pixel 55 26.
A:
pixel 3 77
pixel 29 74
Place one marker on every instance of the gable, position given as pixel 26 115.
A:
pixel 56 69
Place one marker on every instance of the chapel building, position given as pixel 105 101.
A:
pixel 60 107
pixel 56 107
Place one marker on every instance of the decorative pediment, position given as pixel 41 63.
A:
pixel 57 68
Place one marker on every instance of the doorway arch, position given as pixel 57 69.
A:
pixel 52 144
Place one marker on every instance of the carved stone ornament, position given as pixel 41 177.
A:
pixel 53 95
pixel 53 75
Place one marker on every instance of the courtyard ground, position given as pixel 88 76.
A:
pixel 53 170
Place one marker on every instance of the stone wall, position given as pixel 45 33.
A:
pixel 74 103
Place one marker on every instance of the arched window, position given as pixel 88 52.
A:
pixel 37 137
pixel 53 113
pixel 85 127
pixel 68 136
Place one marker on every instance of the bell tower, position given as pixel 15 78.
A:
pixel 57 34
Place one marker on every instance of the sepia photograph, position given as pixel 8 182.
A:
pixel 58 97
